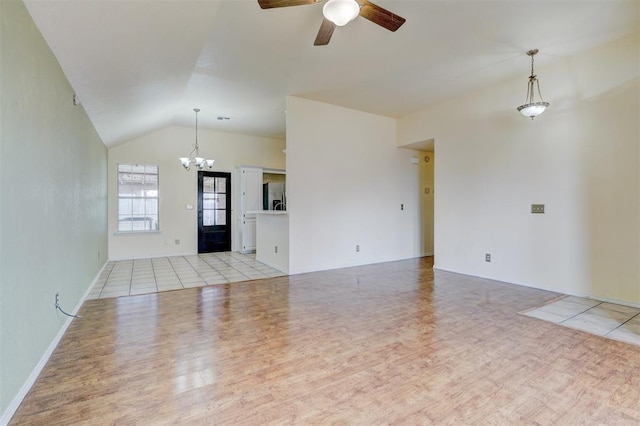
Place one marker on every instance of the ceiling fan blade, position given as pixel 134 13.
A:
pixel 325 33
pixel 269 4
pixel 380 16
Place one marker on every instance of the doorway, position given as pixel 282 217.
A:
pixel 425 161
pixel 214 212
pixel 427 184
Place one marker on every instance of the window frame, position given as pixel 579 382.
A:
pixel 144 197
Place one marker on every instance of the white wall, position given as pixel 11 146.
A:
pixel 53 203
pixel 272 240
pixel 580 158
pixel 346 180
pixel 179 187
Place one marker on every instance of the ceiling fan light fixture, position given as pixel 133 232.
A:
pixel 533 108
pixel 341 12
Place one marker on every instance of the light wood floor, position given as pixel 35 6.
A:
pixel 388 343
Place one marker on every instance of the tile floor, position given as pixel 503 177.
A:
pixel 141 276
pixel 604 319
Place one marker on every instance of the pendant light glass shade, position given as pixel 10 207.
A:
pixel 533 108
pixel 341 12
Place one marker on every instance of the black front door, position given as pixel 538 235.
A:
pixel 214 212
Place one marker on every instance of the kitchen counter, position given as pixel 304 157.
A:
pixel 272 238
pixel 268 212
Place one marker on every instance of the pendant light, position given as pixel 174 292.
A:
pixel 195 157
pixel 532 108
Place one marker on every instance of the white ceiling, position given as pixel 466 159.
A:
pixel 141 65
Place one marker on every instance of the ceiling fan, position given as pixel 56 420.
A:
pixel 340 13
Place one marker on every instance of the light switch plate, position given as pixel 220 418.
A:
pixel 188 206
pixel 537 208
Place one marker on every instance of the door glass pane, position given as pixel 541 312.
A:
pixel 222 202
pixel 208 217
pixel 221 185
pixel 208 184
pixel 221 217
pixel 208 201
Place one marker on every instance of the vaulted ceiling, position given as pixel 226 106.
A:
pixel 141 65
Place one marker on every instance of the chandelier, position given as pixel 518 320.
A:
pixel 532 108
pixel 195 157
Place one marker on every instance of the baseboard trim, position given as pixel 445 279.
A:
pixel 26 387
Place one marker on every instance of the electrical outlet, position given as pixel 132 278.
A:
pixel 98 255
pixel 487 257
pixel 276 249
pixel 357 248
pixel 401 206
pixel 177 241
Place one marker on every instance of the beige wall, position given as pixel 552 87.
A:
pixel 179 187
pixel 53 203
pixel 580 158
pixel 346 182
pixel 426 196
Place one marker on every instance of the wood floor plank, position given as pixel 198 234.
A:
pixel 389 343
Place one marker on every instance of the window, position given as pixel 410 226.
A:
pixel 137 198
